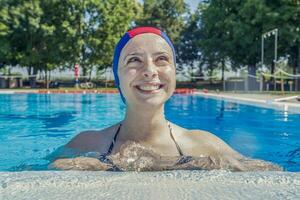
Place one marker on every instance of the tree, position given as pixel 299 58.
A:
pixel 4 31
pixel 287 17
pixel 30 37
pixel 90 30
pixel 234 30
pixel 213 39
pixel 20 20
pixel 238 26
pixel 43 35
pixel 104 37
pixel 167 15
pixel 187 48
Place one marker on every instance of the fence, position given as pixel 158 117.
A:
pixel 11 82
pixel 259 83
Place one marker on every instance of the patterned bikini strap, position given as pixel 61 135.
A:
pixel 114 141
pixel 171 134
pixel 117 132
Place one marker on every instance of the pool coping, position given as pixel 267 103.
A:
pixel 266 103
pixel 66 91
pixel 194 184
pixel 78 91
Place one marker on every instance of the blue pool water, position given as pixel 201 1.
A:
pixel 34 125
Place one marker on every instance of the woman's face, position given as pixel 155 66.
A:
pixel 147 70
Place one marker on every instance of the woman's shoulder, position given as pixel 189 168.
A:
pixel 200 137
pixel 192 135
pixel 201 134
pixel 199 141
pixel 93 140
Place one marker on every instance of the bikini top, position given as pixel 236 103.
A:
pixel 103 157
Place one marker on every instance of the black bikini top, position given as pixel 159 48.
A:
pixel 118 130
pixel 103 157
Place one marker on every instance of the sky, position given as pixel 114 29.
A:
pixel 192 3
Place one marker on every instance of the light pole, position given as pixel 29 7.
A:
pixel 266 35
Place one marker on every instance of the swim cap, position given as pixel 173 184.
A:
pixel 125 39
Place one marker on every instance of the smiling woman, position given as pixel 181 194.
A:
pixel 144 69
pixel 147 71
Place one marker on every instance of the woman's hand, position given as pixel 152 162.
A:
pixel 260 165
pixel 79 163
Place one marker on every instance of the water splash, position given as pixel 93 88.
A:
pixel 135 157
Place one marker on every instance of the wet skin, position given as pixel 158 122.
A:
pixel 147 80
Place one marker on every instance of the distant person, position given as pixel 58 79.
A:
pixel 144 69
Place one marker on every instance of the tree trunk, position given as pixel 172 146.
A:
pixel 35 71
pixel 211 72
pixel 46 79
pixel 251 80
pixel 29 69
pixel 90 75
pixel 223 69
pixel 33 77
pixel 272 79
pixel 200 69
pixel 272 68
pixel 297 84
pixel 49 78
pixel 84 70
pixel 9 69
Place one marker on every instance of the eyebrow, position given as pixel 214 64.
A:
pixel 161 52
pixel 140 54
pixel 133 54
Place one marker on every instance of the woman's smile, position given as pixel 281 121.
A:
pixel 149 88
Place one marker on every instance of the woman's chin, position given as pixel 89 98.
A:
pixel 153 102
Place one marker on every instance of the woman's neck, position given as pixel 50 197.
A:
pixel 144 125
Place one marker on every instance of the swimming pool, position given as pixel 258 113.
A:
pixel 34 125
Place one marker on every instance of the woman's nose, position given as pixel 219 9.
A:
pixel 150 71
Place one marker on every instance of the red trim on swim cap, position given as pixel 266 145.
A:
pixel 140 30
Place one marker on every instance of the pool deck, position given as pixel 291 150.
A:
pixel 79 91
pixel 58 91
pixel 205 185
pixel 280 102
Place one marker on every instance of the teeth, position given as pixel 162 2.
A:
pixel 149 87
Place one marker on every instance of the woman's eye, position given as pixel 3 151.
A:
pixel 163 58
pixel 133 59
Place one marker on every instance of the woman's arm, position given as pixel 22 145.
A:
pixel 225 157
pixel 79 163
pixel 79 154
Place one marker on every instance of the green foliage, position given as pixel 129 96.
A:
pixel 29 38
pixel 188 47
pixel 44 35
pixel 4 30
pixel 168 15
pixel 108 28
pixel 233 29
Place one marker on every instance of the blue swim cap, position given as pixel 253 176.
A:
pixel 125 39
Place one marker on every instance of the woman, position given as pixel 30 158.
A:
pixel 144 69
